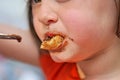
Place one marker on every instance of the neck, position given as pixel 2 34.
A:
pixel 105 64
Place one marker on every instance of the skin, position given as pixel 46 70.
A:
pixel 91 25
pixel 26 51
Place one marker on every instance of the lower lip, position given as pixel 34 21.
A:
pixel 62 45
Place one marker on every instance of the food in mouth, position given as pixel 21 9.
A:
pixel 54 42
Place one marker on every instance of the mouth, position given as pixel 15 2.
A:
pixel 53 41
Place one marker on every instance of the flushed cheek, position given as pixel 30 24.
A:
pixel 82 27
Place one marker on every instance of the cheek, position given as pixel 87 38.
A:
pixel 37 25
pixel 38 28
pixel 81 26
pixel 87 30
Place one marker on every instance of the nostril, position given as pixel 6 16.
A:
pixel 50 21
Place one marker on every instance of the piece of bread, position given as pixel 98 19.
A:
pixel 52 44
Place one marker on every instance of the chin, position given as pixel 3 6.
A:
pixel 70 53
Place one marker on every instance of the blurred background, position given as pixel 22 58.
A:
pixel 13 12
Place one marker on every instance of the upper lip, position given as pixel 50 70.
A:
pixel 51 34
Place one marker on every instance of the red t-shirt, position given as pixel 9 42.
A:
pixel 58 71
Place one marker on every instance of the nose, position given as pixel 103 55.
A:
pixel 47 15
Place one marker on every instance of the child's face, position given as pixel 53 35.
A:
pixel 90 23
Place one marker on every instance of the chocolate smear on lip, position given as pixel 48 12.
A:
pixel 71 39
